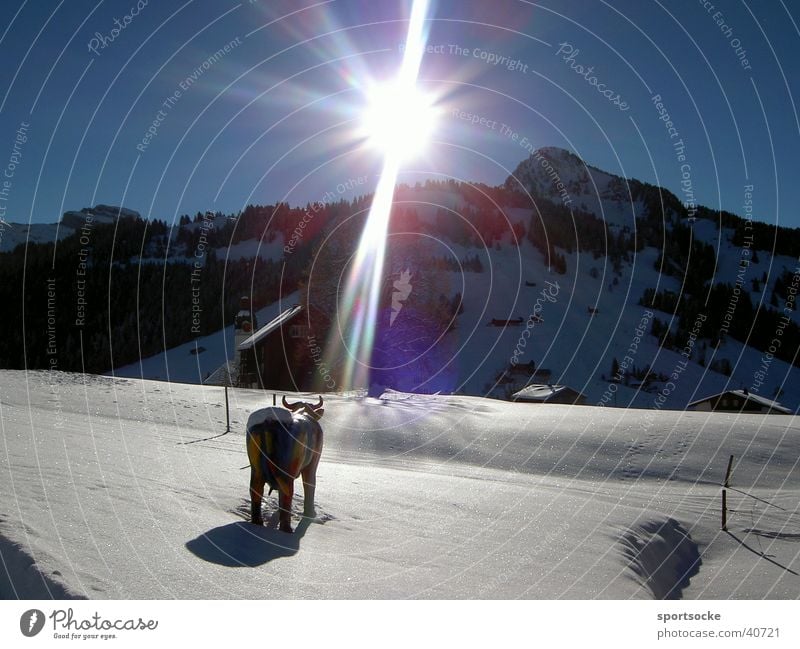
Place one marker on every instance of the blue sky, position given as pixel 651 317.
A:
pixel 275 116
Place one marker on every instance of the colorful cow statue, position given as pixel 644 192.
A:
pixel 282 445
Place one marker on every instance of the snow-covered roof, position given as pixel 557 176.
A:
pixel 225 374
pixel 541 392
pixel 747 396
pixel 271 326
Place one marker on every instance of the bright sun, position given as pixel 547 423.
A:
pixel 399 119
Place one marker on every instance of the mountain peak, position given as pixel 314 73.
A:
pixel 557 153
pixel 560 176
pixel 98 214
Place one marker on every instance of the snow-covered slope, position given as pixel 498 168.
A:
pixel 122 488
pixel 578 347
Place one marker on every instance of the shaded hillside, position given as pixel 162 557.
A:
pixel 469 255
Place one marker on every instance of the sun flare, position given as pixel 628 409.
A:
pixel 399 119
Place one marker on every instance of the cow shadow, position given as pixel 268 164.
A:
pixel 242 544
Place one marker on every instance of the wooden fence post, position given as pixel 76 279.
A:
pixel 724 510
pixel 728 472
pixel 227 412
pixel 726 484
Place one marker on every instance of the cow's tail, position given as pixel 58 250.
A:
pixel 263 443
pixel 265 468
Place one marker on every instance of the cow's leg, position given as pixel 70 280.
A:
pixel 309 484
pixel 285 507
pixel 256 494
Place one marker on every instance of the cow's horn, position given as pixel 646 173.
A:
pixel 319 405
pixel 290 406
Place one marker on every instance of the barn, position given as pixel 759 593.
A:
pixel 265 356
pixel 738 401
pixel 546 393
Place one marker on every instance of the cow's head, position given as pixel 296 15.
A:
pixel 315 411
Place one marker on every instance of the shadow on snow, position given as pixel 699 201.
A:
pixel 242 544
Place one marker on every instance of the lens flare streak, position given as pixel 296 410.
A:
pixel 359 306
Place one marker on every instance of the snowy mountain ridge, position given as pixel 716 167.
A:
pixel 595 313
pixel 619 254
pixel 15 234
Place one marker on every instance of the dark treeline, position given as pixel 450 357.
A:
pixel 775 239
pixel 109 295
pixel 727 312
pixel 554 225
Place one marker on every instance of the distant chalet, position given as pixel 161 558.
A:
pixel 505 322
pixel 738 401
pixel 265 355
pixel 541 393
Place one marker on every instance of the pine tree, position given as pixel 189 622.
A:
pixel 615 370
